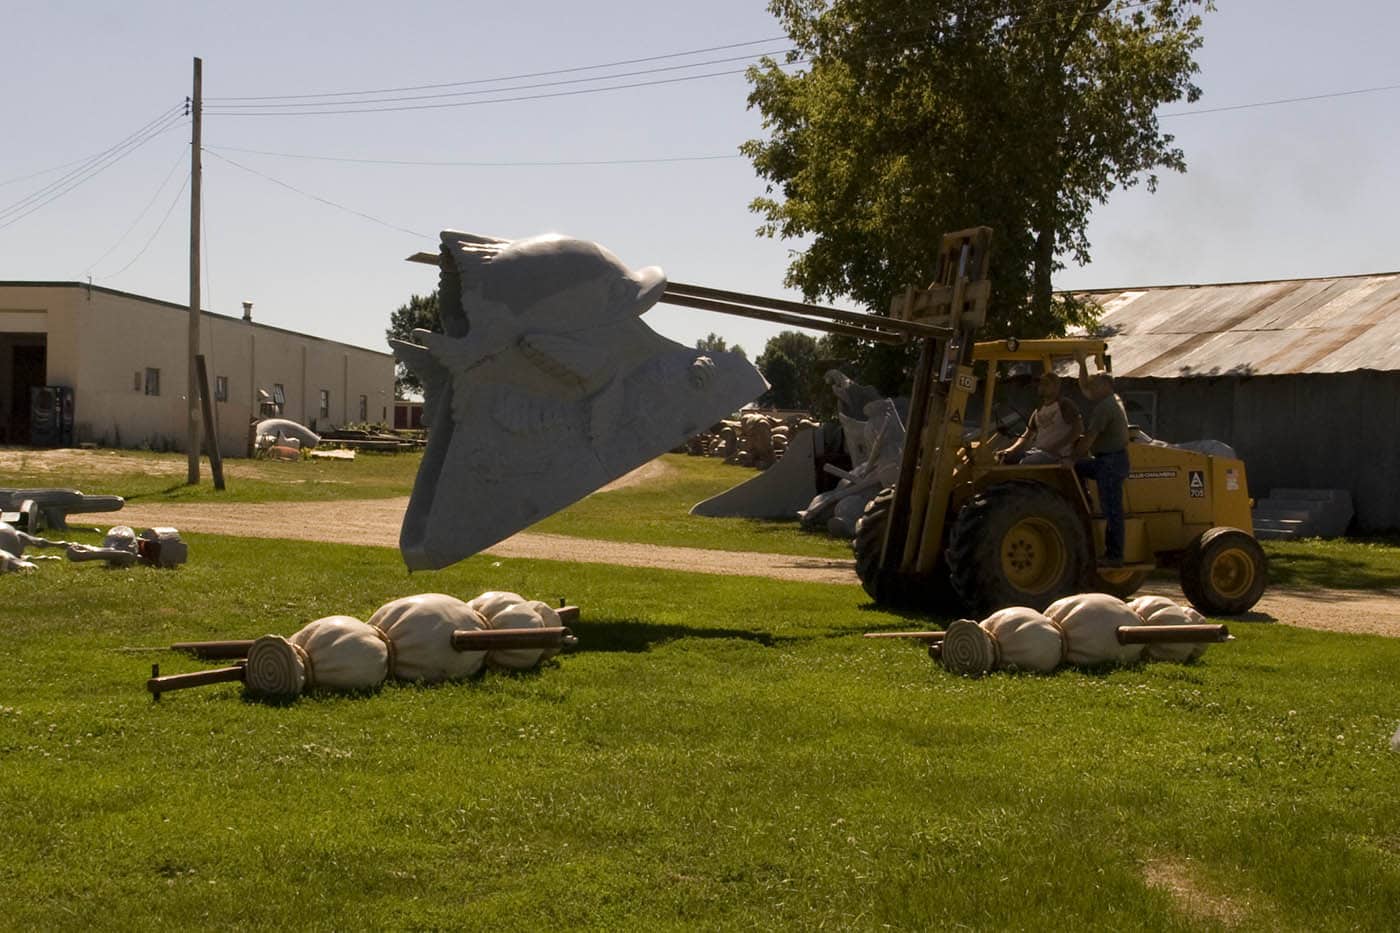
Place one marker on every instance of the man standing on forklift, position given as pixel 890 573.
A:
pixel 1104 455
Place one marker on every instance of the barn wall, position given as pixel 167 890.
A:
pixel 1319 430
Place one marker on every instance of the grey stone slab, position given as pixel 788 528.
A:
pixel 776 493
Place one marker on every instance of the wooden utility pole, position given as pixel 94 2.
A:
pixel 192 390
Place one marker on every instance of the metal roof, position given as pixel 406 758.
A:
pixel 185 309
pixel 1329 325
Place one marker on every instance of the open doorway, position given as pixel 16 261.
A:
pixel 23 365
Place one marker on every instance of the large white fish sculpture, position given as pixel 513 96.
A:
pixel 544 386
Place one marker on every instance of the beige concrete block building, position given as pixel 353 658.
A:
pixel 123 357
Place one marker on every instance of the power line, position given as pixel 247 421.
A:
pixel 1286 100
pixel 371 105
pixel 84 164
pixel 224 108
pixel 494 100
pixel 55 168
pixel 158 229
pixel 72 180
pixel 139 217
pixel 321 98
pixel 717 157
pixel 314 197
pixel 452 164
pixel 515 77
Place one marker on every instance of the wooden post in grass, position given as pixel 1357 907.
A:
pixel 211 437
pixel 219 675
pixel 506 639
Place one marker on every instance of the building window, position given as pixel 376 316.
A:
pixel 364 408
pixel 221 388
pixel 152 381
pixel 325 404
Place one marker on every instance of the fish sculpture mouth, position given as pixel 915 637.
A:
pixel 543 386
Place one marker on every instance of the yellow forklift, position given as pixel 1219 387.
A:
pixel 960 532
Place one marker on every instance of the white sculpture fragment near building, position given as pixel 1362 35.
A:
pixel 544 386
pixel 280 432
pixel 881 444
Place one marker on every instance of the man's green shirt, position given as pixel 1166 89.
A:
pixel 1109 421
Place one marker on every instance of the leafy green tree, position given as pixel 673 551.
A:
pixel 717 344
pixel 783 380
pixel 421 312
pixel 909 118
pixel 791 361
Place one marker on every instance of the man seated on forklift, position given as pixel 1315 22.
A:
pixel 1104 455
pixel 1051 431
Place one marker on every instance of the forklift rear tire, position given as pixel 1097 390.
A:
pixel 892 588
pixel 1017 544
pixel 1224 572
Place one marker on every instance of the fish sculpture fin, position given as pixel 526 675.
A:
pixel 460 279
pixel 566 358
pixel 432 374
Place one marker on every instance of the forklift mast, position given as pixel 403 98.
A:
pixel 956 303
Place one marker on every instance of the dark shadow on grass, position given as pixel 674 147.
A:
pixel 316 693
pixel 926 619
pixel 1323 569
pixel 168 490
pixel 1251 616
pixel 633 635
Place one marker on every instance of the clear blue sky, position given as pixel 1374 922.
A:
pixel 1297 190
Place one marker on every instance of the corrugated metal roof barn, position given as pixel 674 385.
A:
pixel 1334 325
pixel 1301 376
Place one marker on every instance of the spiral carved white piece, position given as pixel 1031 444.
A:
pixel 1026 640
pixel 968 649
pixel 421 629
pixel 524 615
pixel 493 601
pixel 1090 624
pixel 275 668
pixel 345 653
pixel 1158 610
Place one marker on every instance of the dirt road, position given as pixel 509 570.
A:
pixel 376 522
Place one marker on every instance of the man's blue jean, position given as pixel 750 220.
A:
pixel 1109 471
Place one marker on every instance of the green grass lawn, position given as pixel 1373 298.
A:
pixel 657 512
pixel 1345 563
pixel 146 476
pixel 723 753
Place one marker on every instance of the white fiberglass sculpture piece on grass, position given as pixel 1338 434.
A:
pixel 544 386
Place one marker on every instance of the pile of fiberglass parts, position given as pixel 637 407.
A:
pixel 430 638
pixel 1084 630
